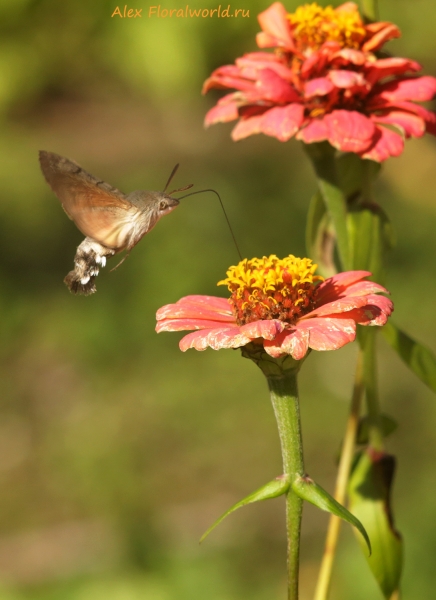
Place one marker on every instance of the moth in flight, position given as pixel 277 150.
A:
pixel 110 220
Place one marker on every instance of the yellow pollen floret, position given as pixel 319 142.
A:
pixel 267 275
pixel 313 25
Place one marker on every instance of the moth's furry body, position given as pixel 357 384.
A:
pixel 110 220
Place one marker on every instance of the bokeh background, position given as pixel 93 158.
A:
pixel 116 450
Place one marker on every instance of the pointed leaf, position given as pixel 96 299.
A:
pixel 417 357
pixel 308 490
pixel 273 489
pixel 369 491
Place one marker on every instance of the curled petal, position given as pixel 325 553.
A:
pixel 410 125
pixel 349 130
pixel 387 144
pixel 283 122
pixel 381 33
pixel 275 26
pixel 385 67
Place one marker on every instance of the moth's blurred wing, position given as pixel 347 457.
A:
pixel 99 210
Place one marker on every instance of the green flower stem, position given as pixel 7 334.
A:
pixel 368 341
pixel 345 463
pixel 370 10
pixel 322 156
pixel 281 374
pixel 284 398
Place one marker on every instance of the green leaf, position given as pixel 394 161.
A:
pixel 388 426
pixel 370 238
pixel 308 490
pixel 320 237
pixel 369 491
pixel 417 357
pixel 273 489
pixel 323 159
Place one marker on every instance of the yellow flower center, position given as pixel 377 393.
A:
pixel 313 25
pixel 272 288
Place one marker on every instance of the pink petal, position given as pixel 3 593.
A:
pixel 221 114
pixel 375 313
pixel 418 89
pixel 364 287
pixel 267 329
pixel 273 88
pixel 217 339
pixel 314 63
pixel 283 122
pixel 350 55
pixel 350 131
pixel 385 67
pixel 346 79
pixel 387 144
pixel 327 333
pixel 295 343
pixel 382 32
pixel 410 125
pixel 184 324
pixel 337 306
pixel 250 64
pixel 315 131
pixel 320 86
pixel 228 76
pixel 247 127
pixel 220 306
pixel 334 287
pixel 276 28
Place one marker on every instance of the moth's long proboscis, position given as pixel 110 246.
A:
pixel 224 211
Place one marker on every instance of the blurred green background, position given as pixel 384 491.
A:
pixel 117 451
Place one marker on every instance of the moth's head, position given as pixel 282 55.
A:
pixel 157 202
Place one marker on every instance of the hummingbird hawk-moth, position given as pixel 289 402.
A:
pixel 110 220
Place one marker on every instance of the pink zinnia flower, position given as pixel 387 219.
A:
pixel 324 82
pixel 280 304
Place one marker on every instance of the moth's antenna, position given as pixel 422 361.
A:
pixel 224 211
pixel 174 171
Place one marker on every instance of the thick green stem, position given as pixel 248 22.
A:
pixel 345 463
pixel 368 341
pixel 284 398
